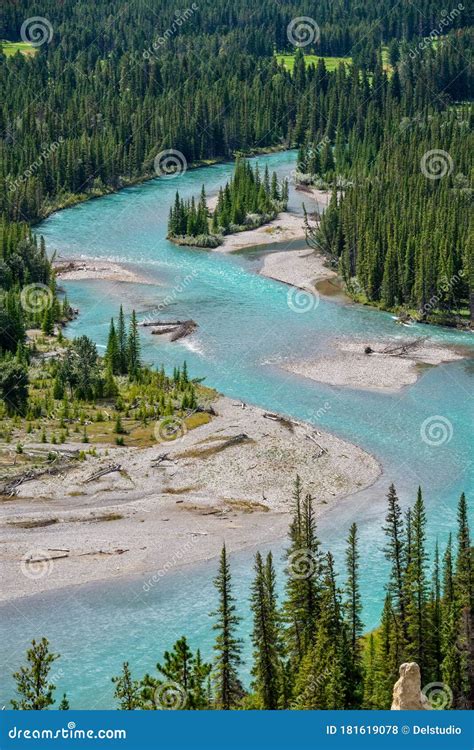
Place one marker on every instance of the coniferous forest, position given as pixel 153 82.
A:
pixel 112 100
pixel 378 107
pixel 310 648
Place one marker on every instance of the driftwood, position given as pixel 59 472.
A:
pixel 98 474
pixel 178 328
pixel 10 488
pixel 403 348
pixel 322 450
pixel 282 420
pixel 159 460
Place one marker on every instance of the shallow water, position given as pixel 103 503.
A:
pixel 248 327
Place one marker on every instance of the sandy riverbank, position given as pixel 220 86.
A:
pixel 229 480
pixel 385 369
pixel 96 268
pixel 287 227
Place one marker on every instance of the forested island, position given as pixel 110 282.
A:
pixel 246 202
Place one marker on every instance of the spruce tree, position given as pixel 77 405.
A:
pixel 417 626
pixel 112 352
pixel 353 608
pixel 395 552
pixel 122 343
pixel 133 349
pixel 227 686
pixel 267 668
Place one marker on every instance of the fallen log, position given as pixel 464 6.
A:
pixel 98 474
pixel 178 329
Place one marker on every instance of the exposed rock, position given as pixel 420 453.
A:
pixel 407 695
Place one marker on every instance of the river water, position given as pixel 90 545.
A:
pixel 246 331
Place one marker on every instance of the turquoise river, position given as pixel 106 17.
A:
pixel 246 331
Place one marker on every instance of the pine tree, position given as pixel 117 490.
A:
pixel 266 669
pixel 32 681
pixel 228 688
pixel 122 343
pixel 64 705
pixel 133 349
pixel 395 552
pixel 353 608
pixel 321 678
pixel 127 690
pixel 303 568
pixel 112 352
pixel 418 635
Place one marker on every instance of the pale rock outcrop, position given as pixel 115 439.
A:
pixel 407 695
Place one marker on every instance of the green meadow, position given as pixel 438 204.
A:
pixel 288 60
pixel 11 48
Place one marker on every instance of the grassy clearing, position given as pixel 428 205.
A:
pixel 11 48
pixel 331 62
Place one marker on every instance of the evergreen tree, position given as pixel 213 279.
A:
pixel 266 669
pixel 395 552
pixel 418 632
pixel 32 681
pixel 353 608
pixel 127 690
pixel 112 352
pixel 64 705
pixel 228 688
pixel 133 349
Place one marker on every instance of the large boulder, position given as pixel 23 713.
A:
pixel 407 695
